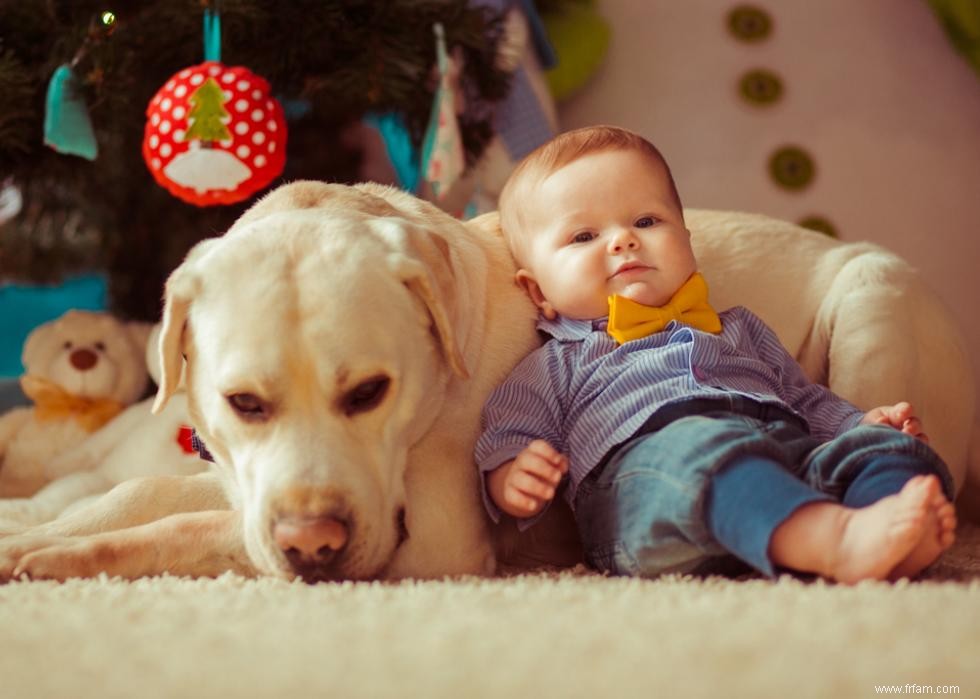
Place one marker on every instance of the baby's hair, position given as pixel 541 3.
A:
pixel 559 152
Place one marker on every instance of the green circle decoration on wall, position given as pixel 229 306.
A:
pixel 760 87
pixel 791 167
pixel 819 224
pixel 749 23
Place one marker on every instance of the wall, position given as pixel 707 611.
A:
pixel 873 90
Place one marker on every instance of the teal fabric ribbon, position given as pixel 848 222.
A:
pixel 67 126
pixel 212 36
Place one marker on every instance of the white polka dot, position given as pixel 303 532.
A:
pixel 155 162
pixel 258 138
pixel 166 104
pixel 214 70
pixel 241 105
pixel 269 105
pixel 197 79
pixel 258 115
pixel 271 126
pixel 180 91
pixel 179 112
pixel 184 73
pixel 272 146
pixel 156 99
pixel 242 151
pixel 241 128
pixel 243 85
pixel 165 150
pixel 256 94
pixel 154 141
pixel 228 77
pixel 225 143
pixel 179 135
pixel 165 127
pixel 155 119
pixel 169 86
pixel 227 94
pixel 259 161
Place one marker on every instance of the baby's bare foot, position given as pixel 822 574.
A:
pixel 939 534
pixel 877 538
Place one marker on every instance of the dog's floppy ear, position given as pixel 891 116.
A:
pixel 423 263
pixel 182 286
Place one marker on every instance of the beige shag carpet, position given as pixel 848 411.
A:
pixel 567 634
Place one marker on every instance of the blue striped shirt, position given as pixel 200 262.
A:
pixel 584 394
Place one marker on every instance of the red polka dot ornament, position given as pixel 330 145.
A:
pixel 214 135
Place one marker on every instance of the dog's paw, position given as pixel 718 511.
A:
pixel 13 549
pixel 70 558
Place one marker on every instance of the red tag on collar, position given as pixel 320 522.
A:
pixel 184 439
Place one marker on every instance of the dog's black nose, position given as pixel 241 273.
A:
pixel 310 544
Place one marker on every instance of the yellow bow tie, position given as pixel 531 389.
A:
pixel 629 320
pixel 52 402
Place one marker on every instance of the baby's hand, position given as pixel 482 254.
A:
pixel 901 416
pixel 523 486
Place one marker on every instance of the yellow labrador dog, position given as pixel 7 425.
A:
pixel 339 343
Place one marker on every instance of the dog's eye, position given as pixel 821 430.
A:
pixel 248 405
pixel 100 346
pixel 367 395
pixel 67 344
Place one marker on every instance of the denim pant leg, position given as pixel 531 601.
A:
pixel 747 502
pixel 644 513
pixel 870 462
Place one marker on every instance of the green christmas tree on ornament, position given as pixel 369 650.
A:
pixel 207 114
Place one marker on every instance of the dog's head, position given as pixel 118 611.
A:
pixel 318 344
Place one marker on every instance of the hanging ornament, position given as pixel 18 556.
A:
pixel 67 126
pixel 443 159
pixel 214 134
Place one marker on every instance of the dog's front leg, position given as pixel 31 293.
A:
pixel 138 501
pixel 196 544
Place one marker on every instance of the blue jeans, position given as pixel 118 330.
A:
pixel 709 485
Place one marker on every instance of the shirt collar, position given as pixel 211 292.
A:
pixel 570 330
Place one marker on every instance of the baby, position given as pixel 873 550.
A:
pixel 685 435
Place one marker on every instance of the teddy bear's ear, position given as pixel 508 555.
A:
pixel 182 286
pixel 139 333
pixel 36 344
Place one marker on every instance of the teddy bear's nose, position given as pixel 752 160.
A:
pixel 83 359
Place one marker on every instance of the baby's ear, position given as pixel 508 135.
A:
pixel 524 280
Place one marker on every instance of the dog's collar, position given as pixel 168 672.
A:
pixel 198 446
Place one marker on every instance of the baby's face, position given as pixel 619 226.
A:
pixel 604 224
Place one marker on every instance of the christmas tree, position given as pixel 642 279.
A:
pixel 329 63
pixel 207 113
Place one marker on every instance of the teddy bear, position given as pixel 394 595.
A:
pixel 134 444
pixel 82 370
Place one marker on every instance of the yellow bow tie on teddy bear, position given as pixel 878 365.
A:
pixel 52 402
pixel 629 320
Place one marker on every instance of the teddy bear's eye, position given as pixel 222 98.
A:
pixel 67 344
pixel 100 346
